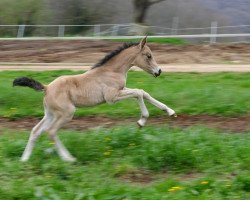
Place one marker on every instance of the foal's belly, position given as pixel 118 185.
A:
pixel 88 98
pixel 85 102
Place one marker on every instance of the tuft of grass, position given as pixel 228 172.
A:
pixel 225 94
pixel 221 160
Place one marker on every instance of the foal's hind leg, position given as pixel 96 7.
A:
pixel 35 133
pixel 60 121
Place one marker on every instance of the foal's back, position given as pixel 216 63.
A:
pixel 81 90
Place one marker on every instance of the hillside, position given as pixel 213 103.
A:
pixel 192 13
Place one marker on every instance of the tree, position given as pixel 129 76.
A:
pixel 78 12
pixel 26 12
pixel 141 7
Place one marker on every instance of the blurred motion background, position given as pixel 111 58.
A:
pixel 117 17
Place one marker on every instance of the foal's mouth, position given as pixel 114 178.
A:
pixel 157 73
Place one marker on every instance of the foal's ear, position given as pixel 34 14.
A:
pixel 143 42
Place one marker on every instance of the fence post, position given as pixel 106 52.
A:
pixel 97 30
pixel 61 29
pixel 115 30
pixel 20 32
pixel 214 26
pixel 175 24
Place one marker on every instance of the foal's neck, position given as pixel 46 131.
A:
pixel 122 62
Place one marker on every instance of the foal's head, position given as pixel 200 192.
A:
pixel 145 59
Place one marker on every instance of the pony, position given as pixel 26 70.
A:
pixel 105 82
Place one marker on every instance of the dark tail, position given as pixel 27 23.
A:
pixel 28 82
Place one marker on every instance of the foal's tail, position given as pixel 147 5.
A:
pixel 28 82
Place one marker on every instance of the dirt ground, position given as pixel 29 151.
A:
pixel 228 124
pixel 89 52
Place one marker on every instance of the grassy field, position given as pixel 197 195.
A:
pixel 127 163
pixel 176 41
pixel 225 94
pixel 119 163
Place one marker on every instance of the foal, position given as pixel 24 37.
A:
pixel 105 82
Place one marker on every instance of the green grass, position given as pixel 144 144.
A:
pixel 225 94
pixel 219 162
pixel 176 41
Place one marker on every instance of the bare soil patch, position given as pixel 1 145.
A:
pixel 87 51
pixel 138 176
pixel 228 124
pixel 143 176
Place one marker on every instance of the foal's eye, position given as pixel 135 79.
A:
pixel 149 56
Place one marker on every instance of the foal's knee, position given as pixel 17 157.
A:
pixel 139 93
pixel 146 95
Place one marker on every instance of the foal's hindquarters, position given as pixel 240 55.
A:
pixel 60 101
pixel 51 122
pixel 58 110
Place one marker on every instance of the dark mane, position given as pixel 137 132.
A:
pixel 113 54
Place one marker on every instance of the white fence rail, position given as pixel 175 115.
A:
pixel 212 34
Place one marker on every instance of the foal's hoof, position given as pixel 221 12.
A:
pixel 23 159
pixel 72 159
pixel 141 122
pixel 171 113
pixel 174 115
pixel 140 126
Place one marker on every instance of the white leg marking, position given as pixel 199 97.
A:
pixel 42 126
pixel 35 133
pixel 60 148
pixel 159 105
pixel 135 93
pixel 62 151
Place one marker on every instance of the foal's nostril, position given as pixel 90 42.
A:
pixel 158 74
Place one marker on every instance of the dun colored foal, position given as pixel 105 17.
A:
pixel 104 83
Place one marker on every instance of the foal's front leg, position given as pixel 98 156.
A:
pixel 134 93
pixel 159 104
pixel 155 102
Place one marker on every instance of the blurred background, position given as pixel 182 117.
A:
pixel 40 18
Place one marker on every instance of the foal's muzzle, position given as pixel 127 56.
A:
pixel 157 73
